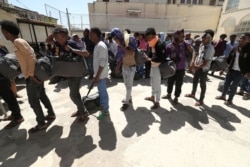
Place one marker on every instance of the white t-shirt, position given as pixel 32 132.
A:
pixel 101 59
pixel 236 62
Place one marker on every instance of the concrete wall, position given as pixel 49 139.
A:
pixel 6 16
pixel 230 19
pixel 164 17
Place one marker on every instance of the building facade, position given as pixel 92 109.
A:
pixel 235 17
pixel 164 15
pixel 34 27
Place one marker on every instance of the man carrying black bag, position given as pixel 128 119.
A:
pixel 9 97
pixel 70 50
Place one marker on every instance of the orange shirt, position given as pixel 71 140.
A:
pixel 25 56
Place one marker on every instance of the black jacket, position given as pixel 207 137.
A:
pixel 244 59
pixel 160 52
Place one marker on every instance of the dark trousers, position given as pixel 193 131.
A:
pixel 74 93
pixel 232 80
pixel 8 96
pixel 147 68
pixel 177 79
pixel 89 61
pixel 36 92
pixel 201 76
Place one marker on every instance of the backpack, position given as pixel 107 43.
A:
pixel 139 57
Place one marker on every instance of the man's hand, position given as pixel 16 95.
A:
pixel 247 75
pixel 96 80
pixel 37 81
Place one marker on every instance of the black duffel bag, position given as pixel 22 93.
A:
pixel 9 66
pixel 167 68
pixel 43 68
pixel 219 63
pixel 69 66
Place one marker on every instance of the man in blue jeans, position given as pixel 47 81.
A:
pixel 235 72
pixel 100 70
pixel 35 88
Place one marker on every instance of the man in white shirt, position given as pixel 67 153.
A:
pixel 100 66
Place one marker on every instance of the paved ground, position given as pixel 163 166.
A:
pixel 175 135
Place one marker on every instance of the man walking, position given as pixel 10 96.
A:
pixel 35 88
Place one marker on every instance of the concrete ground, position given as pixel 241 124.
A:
pixel 180 135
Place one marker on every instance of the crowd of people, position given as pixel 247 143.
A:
pixel 116 52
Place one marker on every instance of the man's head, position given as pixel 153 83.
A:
pixel 9 29
pixel 223 36
pixel 150 33
pixel 244 39
pixel 210 32
pixel 179 36
pixel 188 36
pixel 233 37
pixel 206 38
pixel 75 37
pixel 95 34
pixel 86 32
pixel 61 35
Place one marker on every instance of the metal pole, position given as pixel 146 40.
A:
pixel 46 9
pixel 67 13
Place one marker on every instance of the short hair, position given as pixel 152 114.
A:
pixel 207 35
pixel 61 30
pixel 150 31
pixel 223 35
pixel 10 27
pixel 128 30
pixel 210 32
pixel 97 31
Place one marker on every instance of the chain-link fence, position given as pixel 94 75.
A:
pixel 67 19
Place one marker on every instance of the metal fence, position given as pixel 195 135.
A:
pixel 69 20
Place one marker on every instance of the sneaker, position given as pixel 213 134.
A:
pixel 102 115
pixel 124 107
pixel 38 128
pixel 168 96
pixel 14 123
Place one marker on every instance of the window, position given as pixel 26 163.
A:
pixel 169 1
pixel 105 0
pixel 194 1
pixel 200 2
pixel 174 2
pixel 134 13
pixel 188 1
pixel 182 1
pixel 232 4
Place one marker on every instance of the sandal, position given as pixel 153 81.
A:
pixel 76 114
pixel 8 118
pixel 150 98
pixel 14 123
pixel 50 117
pixel 198 103
pixel 38 128
pixel 84 117
pixel 190 95
pixel 220 98
pixel 155 106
